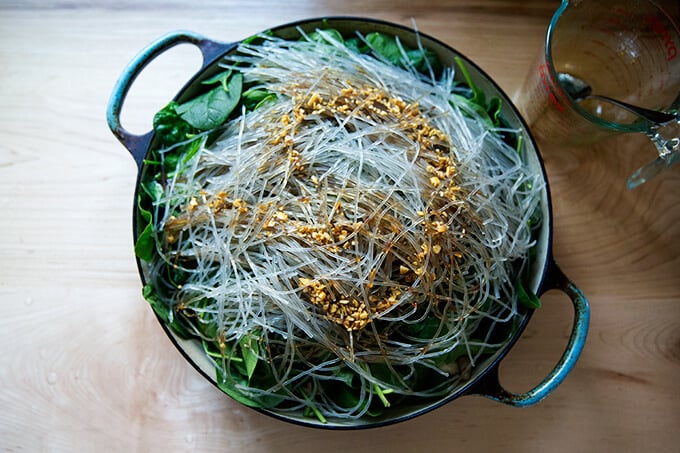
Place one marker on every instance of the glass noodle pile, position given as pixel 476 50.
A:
pixel 340 225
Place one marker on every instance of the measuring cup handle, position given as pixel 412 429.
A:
pixel 137 144
pixel 490 386
pixel 666 139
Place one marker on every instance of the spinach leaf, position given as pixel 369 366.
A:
pixel 211 109
pixel 250 352
pixel 269 98
pixel 526 297
pixel 228 386
pixel 458 352
pixel 327 33
pixel 477 94
pixel 208 329
pixel 163 311
pixel 422 60
pixel 356 45
pixel 213 349
pixel 491 111
pixel 145 244
pixel 382 394
pixel 345 396
pixel 469 106
pixel 158 307
pixel 311 409
pixel 169 127
pixel 190 150
pixel 256 97
pixel 385 46
pixel 221 78
pixel 425 329
pixel 345 375
pixel 153 189
pixel 389 48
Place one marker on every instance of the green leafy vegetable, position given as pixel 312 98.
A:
pixel 389 48
pixel 254 98
pixel 425 329
pixel 478 96
pixel 232 391
pixel 163 311
pixel 211 109
pixel 311 409
pixel 250 353
pixel 330 32
pixel 526 297
pixel 491 111
pixel 191 151
pixel 153 189
pixel 221 78
pixel 519 147
pixel 346 376
pixel 271 97
pixel 347 397
pixel 458 352
pixel 423 59
pixel 356 45
pixel 386 46
pixel 381 394
pixel 145 244
pixel 169 127
pixel 213 350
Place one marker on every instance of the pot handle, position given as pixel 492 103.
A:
pixel 490 386
pixel 137 144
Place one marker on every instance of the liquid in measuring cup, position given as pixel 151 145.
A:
pixel 624 49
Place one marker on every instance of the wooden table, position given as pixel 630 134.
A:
pixel 85 366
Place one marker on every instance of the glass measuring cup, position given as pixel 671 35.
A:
pixel 624 49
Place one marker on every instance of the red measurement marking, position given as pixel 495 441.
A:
pixel 660 29
pixel 548 90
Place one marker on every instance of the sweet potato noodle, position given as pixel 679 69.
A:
pixel 354 240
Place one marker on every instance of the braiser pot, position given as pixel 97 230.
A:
pixel 544 275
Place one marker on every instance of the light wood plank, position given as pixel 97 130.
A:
pixel 85 367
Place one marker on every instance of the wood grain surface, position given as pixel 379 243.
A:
pixel 86 367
